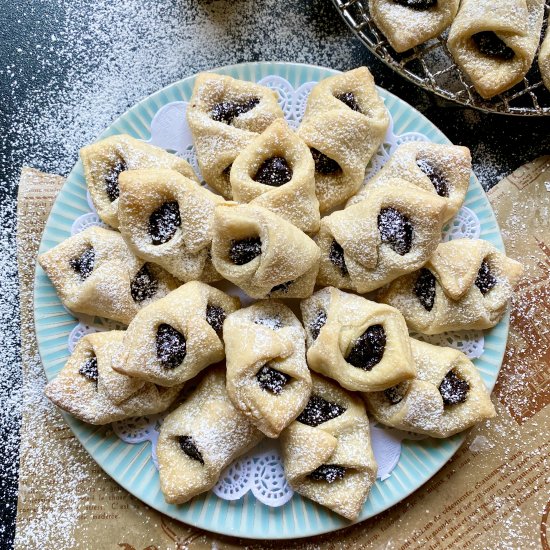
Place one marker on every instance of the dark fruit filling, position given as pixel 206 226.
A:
pixel 424 288
pixel 368 348
pixel 215 316
pixel 491 45
pixel 485 280
pixel 317 324
pixel 227 170
pixel 274 171
pixel 189 448
pixel 453 389
pixel 417 4
pixel 272 380
pixel 244 251
pixel 226 111
pixel 171 346
pixel 164 221
pixel 349 99
pixel 395 230
pixel 328 472
pixel 336 256
pixel 319 410
pixel 274 323
pixel 438 180
pixel 393 394
pixel 324 164
pixel 84 264
pixel 89 369
pixel 111 180
pixel 144 285
pixel 283 287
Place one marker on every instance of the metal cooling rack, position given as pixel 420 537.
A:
pixel 432 67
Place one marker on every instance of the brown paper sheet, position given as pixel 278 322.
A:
pixel 491 495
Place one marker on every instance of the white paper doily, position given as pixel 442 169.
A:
pixel 261 471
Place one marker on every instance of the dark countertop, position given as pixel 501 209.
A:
pixel 69 68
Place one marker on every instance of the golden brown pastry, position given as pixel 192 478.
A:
pixel 267 375
pixel 327 453
pixel 465 285
pixel 225 115
pixel 175 338
pixel 200 438
pixel 362 345
pixel 494 41
pixel 446 397
pixel 408 23
pixel 105 160
pixel 94 272
pixel 167 218
pixel 276 171
pixel 262 253
pixel 89 388
pixel 393 231
pixel 344 124
pixel 441 169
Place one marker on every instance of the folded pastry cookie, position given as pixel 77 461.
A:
pixel 441 169
pixel 408 23
pixel 89 388
pixel 167 218
pixel 465 285
pixel 393 231
pixel 344 124
pixel 494 41
pixel 94 272
pixel 175 338
pixel 105 160
pixel 544 59
pixel 276 171
pixel 225 115
pixel 267 374
pixel 262 253
pixel 327 453
pixel 362 345
pixel 200 439
pixel 446 397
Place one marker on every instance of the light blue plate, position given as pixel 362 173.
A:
pixel 131 465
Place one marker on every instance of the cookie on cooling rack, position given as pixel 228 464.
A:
pixel 446 397
pixel 465 285
pixel 105 160
pixel 95 273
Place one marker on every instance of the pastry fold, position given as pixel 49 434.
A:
pixel 225 115
pixel 200 439
pixel 446 397
pixel 88 388
pixel 362 345
pixel 267 374
pixel 105 160
pixel 94 272
pixel 393 231
pixel 276 171
pixel 443 170
pixel 494 42
pixel 343 134
pixel 327 453
pixel 465 285
pixel 262 253
pixel 167 219
pixel 175 338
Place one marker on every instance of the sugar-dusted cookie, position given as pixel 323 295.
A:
pixel 175 338
pixel 105 160
pixel 465 285
pixel 94 272
pixel 327 453
pixel 89 388
pixel 225 115
pixel 446 397
pixel 200 438
pixel 544 59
